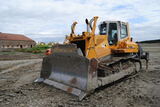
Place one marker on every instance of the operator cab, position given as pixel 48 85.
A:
pixel 115 30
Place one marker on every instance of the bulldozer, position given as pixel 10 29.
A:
pixel 87 61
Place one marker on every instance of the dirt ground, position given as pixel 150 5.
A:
pixel 13 55
pixel 17 88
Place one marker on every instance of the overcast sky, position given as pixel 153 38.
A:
pixel 50 20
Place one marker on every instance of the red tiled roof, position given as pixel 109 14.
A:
pixel 7 36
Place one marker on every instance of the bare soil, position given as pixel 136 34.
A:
pixel 17 88
pixel 13 55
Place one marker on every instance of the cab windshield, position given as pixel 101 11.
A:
pixel 103 29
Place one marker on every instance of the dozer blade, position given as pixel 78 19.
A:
pixel 68 70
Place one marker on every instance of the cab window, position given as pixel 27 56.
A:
pixel 103 29
pixel 112 34
pixel 123 31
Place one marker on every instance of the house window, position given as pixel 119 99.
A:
pixel 21 46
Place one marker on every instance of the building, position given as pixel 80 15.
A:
pixel 15 41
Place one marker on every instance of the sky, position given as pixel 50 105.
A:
pixel 50 20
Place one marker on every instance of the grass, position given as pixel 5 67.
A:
pixel 7 53
pixel 35 49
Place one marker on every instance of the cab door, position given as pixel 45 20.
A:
pixel 113 33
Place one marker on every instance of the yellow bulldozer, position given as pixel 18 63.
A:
pixel 88 61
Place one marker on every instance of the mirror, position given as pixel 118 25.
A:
pixel 87 22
